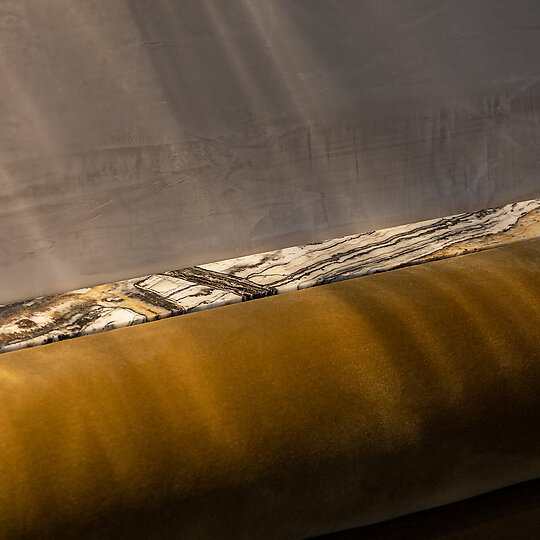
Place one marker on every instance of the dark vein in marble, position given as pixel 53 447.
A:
pixel 245 288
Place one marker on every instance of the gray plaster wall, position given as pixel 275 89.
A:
pixel 144 135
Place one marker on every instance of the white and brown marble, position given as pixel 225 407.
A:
pixel 124 303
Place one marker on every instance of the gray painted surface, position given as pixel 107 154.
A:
pixel 143 135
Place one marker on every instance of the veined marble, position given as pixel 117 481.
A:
pixel 133 301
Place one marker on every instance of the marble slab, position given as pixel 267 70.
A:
pixel 175 292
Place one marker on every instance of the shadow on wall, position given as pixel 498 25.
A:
pixel 139 137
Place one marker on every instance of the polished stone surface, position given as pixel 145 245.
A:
pixel 174 292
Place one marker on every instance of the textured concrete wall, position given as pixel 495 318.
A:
pixel 142 135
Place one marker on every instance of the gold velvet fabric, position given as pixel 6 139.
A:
pixel 282 418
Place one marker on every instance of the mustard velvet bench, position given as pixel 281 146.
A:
pixel 338 407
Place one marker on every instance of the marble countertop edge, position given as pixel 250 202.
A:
pixel 175 292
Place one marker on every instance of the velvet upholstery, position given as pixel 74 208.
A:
pixel 286 417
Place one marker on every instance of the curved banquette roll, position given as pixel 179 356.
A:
pixel 287 417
